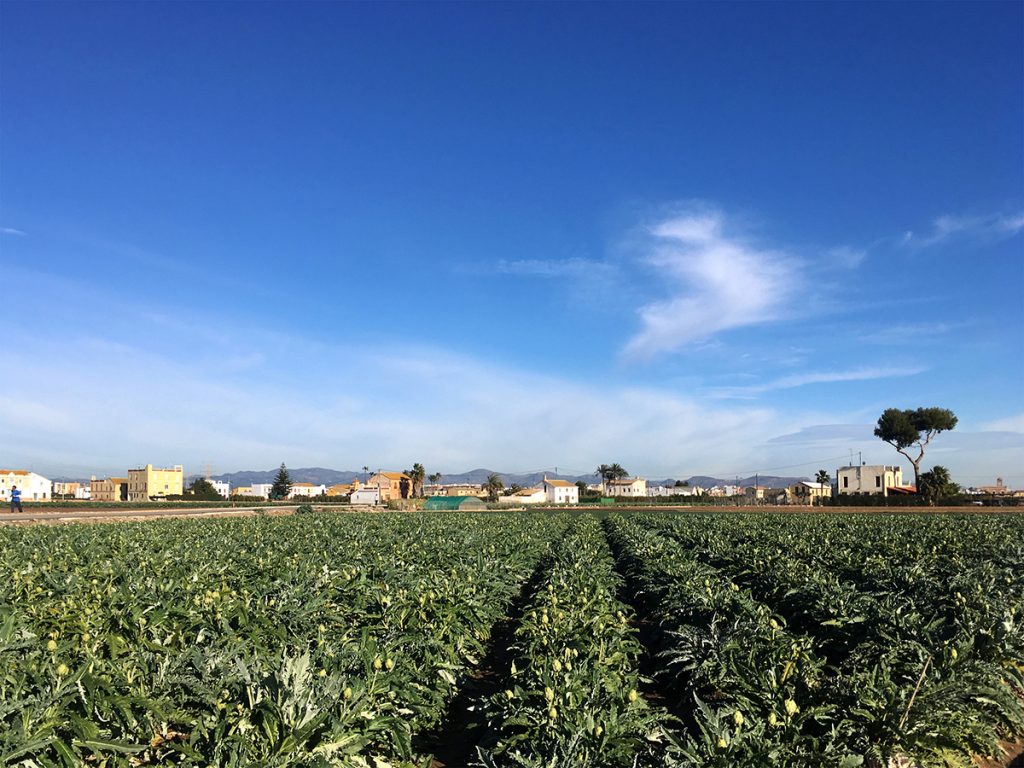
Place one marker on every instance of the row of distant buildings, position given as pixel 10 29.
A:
pixel 143 484
pixel 151 483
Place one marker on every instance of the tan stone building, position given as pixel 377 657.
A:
pixel 393 485
pixel 999 489
pixel 109 489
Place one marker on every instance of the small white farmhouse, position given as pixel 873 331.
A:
pixel 33 487
pixel 560 491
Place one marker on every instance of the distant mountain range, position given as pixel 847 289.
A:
pixel 329 477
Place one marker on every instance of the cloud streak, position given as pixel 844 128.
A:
pixel 719 281
pixel 13 231
pixel 993 226
pixel 823 377
pixel 552 267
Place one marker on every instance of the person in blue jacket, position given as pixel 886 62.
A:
pixel 15 499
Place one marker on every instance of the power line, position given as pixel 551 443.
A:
pixel 819 462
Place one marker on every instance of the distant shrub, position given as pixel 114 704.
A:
pixel 304 509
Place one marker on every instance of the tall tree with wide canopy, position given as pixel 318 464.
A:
pixel 907 429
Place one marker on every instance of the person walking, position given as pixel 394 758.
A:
pixel 15 499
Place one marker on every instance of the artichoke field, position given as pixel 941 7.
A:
pixel 634 640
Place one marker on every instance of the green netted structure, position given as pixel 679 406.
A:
pixel 454 503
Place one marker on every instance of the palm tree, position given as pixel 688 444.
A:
pixel 822 479
pixel 609 472
pixel 366 471
pixel 416 474
pixel 493 486
pixel 937 485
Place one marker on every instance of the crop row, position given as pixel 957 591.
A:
pixel 756 693
pixel 923 669
pixel 275 642
pixel 572 690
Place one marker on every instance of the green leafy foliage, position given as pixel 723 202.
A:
pixel 313 640
pixel 572 695
pixel 346 640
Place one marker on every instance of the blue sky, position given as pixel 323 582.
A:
pixel 693 239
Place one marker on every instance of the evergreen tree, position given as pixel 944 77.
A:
pixel 282 484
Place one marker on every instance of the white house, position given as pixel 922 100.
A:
pixel 560 491
pixel 634 487
pixel 872 479
pixel 525 496
pixel 33 487
pixel 224 489
pixel 368 494
pixel 306 490
pixel 725 490
pixel 261 489
pixel 83 491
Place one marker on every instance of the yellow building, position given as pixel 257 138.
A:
pixel 150 483
pixel 243 490
pixel 109 489
pixel 466 489
pixel 808 493
pixel 393 485
pixel 344 489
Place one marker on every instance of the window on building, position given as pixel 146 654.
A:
pixel 846 482
pixel 878 481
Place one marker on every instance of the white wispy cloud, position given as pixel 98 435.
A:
pixel 719 281
pixel 13 231
pixel 381 405
pixel 819 377
pixel 846 257
pixel 552 267
pixel 1014 423
pixel 455 412
pixel 906 333
pixel 828 433
pixel 992 226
